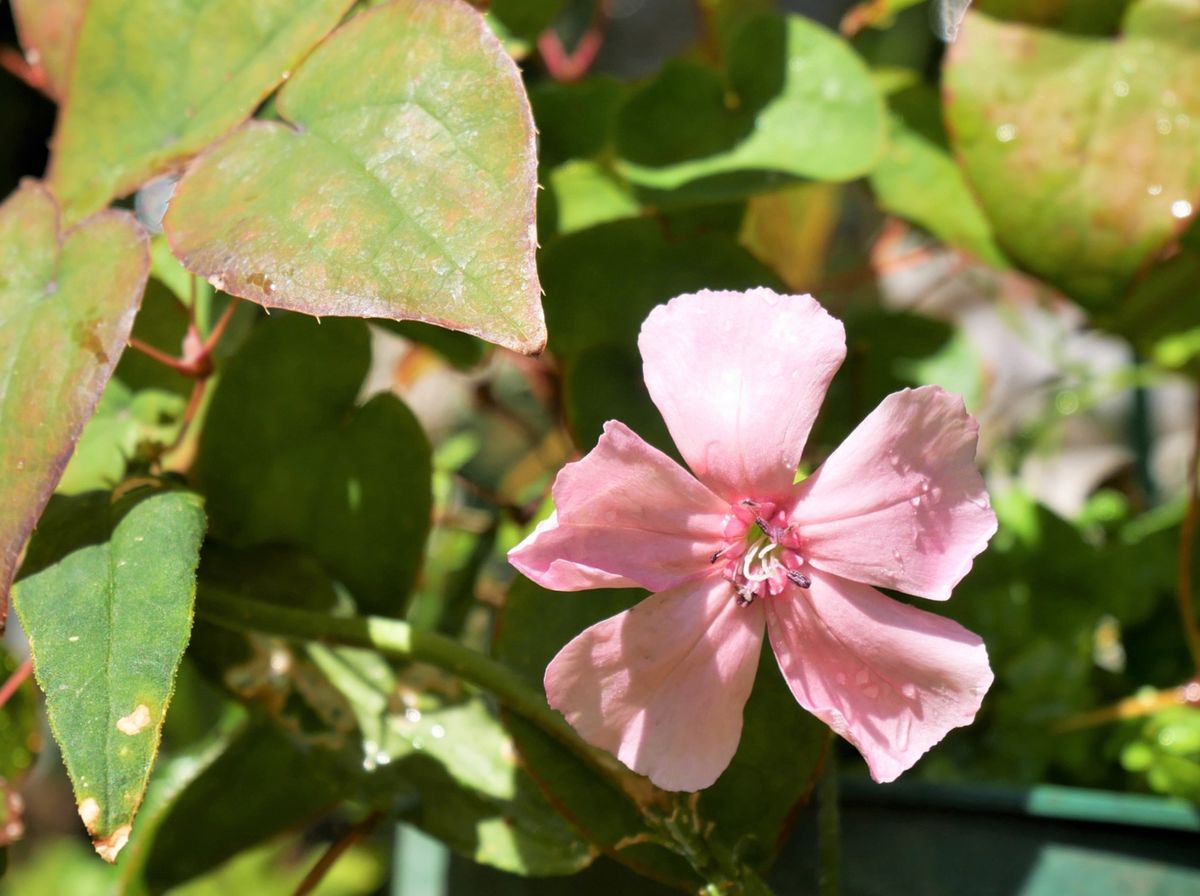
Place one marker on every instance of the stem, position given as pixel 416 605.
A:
pixel 829 835
pixel 395 638
pixel 314 877
pixel 218 329
pixel 15 680
pixel 177 364
pixel 1186 694
pixel 1187 537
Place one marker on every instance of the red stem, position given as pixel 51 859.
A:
pixel 15 680
pixel 314 877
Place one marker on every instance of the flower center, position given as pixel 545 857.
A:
pixel 760 552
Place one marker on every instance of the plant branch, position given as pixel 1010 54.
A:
pixel 398 639
pixel 1187 538
pixel 1143 704
pixel 314 877
pixel 15 680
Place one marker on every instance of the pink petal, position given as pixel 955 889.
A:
pixel 900 504
pixel 624 515
pixel 662 686
pixel 739 378
pixel 891 679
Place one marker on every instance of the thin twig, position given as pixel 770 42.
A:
pixel 1187 536
pixel 15 680
pixel 218 329
pixel 33 76
pixel 179 365
pixel 1137 706
pixel 314 877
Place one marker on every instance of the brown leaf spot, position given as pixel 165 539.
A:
pixel 109 847
pixel 136 721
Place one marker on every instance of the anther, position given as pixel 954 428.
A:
pixel 745 596
pixel 799 579
pixel 716 555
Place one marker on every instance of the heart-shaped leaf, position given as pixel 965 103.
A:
pixel 404 190
pixel 154 82
pixel 797 101
pixel 107 626
pixel 67 303
pixel 287 458
pixel 48 29
pixel 1082 150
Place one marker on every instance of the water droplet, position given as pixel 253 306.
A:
pixel 841 678
pixel 1163 126
pixel 1121 88
pixel 871 692
pixel 1154 189
pixel 412 714
pixel 73 638
pixel 383 758
pixel 1006 133
pixel 1181 208
pixel 437 731
pixel 862 677
pixel 915 500
pixel 610 516
pixel 909 690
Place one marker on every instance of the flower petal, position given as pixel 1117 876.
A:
pixel 662 686
pixel 739 378
pixel 626 514
pixel 900 504
pixel 890 678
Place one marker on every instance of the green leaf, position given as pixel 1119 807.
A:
pixel 459 764
pixel 604 382
pixel 67 303
pixel 211 819
pixel 1082 150
pixel 587 195
pixel 602 282
pixel 107 626
pixel 575 120
pixel 48 30
pixel 917 179
pixel 402 191
pixel 797 101
pixel 154 82
pixel 286 457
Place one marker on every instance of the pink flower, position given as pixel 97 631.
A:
pixel 740 549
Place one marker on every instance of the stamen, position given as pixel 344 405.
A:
pixel 745 597
pixel 716 555
pixel 798 578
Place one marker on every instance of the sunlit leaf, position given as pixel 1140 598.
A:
pixel 107 626
pixel 1082 150
pixel 67 303
pixel 404 189
pixel 796 101
pixel 919 180
pixel 154 82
